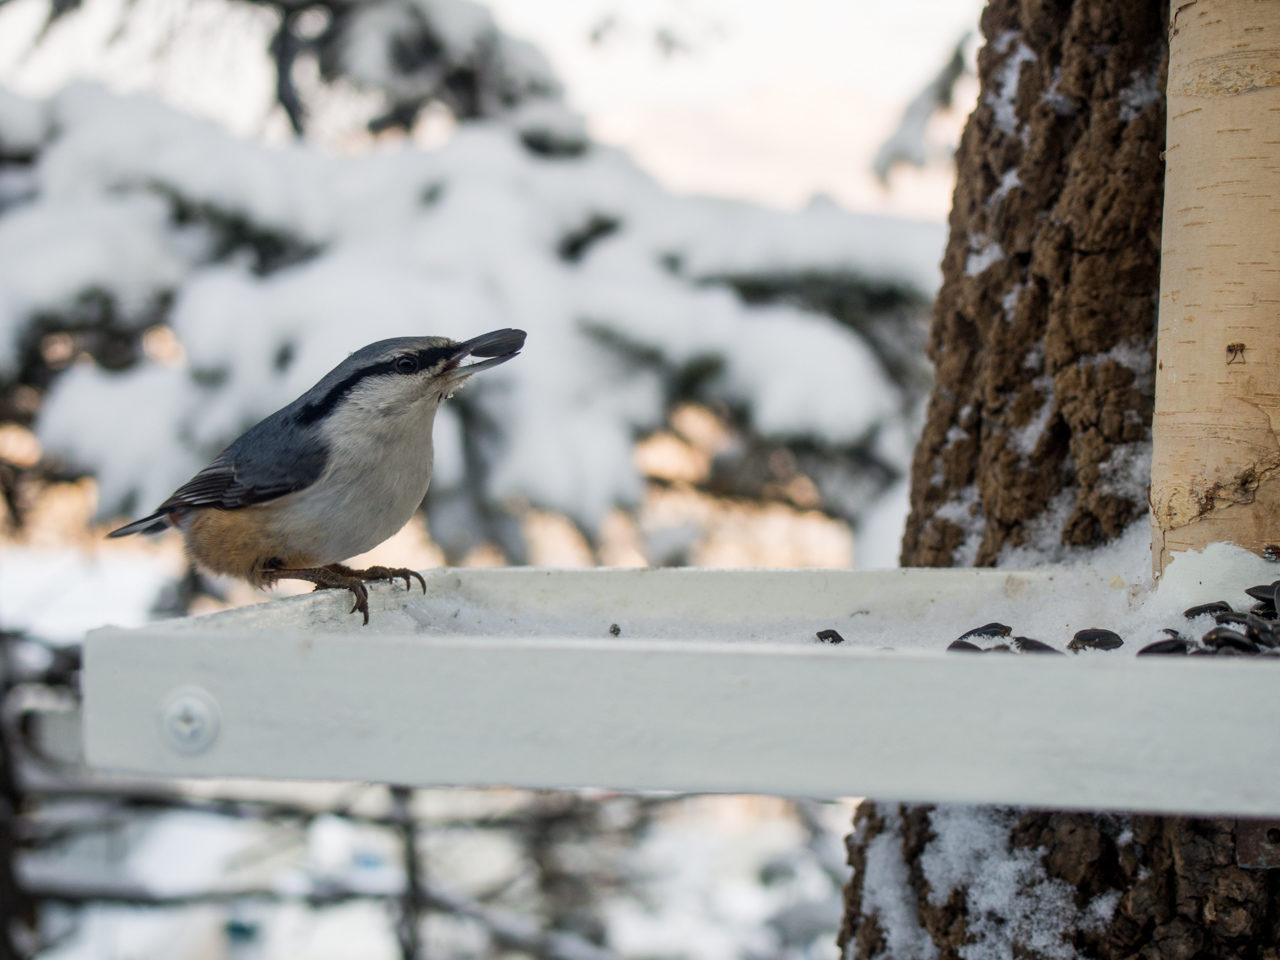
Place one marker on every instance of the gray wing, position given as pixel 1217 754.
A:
pixel 264 463
pixel 272 458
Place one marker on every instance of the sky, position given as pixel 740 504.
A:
pixel 764 101
pixel 770 101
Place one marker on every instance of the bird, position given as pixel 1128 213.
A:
pixel 330 475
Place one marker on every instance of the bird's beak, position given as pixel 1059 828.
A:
pixel 496 347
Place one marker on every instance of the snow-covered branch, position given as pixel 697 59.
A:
pixel 909 143
pixel 270 265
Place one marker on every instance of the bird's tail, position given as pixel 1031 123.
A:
pixel 152 524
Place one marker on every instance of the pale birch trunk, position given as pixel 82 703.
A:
pixel 1216 466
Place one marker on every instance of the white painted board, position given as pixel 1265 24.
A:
pixel 714 684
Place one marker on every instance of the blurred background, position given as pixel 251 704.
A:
pixel 721 225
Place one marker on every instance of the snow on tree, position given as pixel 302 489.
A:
pixel 909 143
pixel 119 216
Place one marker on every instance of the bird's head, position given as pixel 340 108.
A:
pixel 396 375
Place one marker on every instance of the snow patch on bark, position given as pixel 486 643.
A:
pixel 1014 907
pixel 1142 90
pixel 1009 304
pixel 965 510
pixel 982 257
pixel 1127 470
pixel 1058 102
pixel 1003 99
pixel 887 896
pixel 1025 438
pixel 1009 181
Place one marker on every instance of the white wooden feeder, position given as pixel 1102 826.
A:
pixel 714 682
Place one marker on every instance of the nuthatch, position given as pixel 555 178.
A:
pixel 331 475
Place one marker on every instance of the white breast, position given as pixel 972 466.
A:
pixel 377 475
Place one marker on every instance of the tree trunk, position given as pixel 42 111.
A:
pixel 1039 424
pixel 1037 440
pixel 1216 470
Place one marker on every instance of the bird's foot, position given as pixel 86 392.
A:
pixel 383 573
pixel 335 576
pixel 332 577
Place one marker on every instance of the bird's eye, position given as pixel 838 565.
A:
pixel 406 365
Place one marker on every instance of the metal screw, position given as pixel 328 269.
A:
pixel 190 719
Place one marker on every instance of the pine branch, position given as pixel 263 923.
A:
pixel 284 49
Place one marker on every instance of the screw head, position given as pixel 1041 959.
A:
pixel 190 720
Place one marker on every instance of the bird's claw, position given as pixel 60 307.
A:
pixel 392 573
pixel 336 576
pixel 337 580
pixel 361 604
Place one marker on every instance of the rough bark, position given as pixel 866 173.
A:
pixel 1043 332
pixel 1174 882
pixel 1038 436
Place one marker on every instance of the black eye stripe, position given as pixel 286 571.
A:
pixel 432 355
pixel 318 409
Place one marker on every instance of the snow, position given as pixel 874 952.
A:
pixel 24 123
pixel 982 255
pixel 1009 181
pixel 909 141
pixel 1012 904
pixel 209 844
pixel 888 897
pixel 550 117
pixel 454 241
pixel 171 152
pixel 364 47
pixel 1059 102
pixel 140 933
pixel 1219 572
pixel 89 257
pixel 60 594
pixel 1003 100
pixel 727 237
pixel 965 510
pixel 907 144
pixel 1042 536
pixel 202 53
pixel 1025 438
pixel 457 31
pixel 712 880
pixel 1127 470
pixel 72 420
pixel 1009 306
pixel 1142 90
pixel 461 24
pixel 1134 354
pixel 878 544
